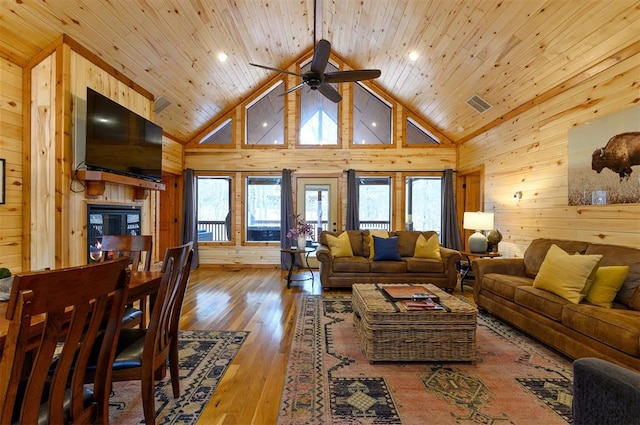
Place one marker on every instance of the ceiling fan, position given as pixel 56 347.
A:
pixel 319 80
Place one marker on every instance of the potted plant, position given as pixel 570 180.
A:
pixel 299 232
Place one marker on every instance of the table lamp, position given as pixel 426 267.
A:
pixel 478 221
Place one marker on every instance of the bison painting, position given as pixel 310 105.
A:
pixel 620 154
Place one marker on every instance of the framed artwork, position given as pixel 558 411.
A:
pixel 2 180
pixel 604 160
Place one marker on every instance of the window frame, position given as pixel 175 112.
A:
pixel 268 88
pixel 382 97
pixel 232 204
pixel 392 190
pixel 410 174
pixel 302 63
pixel 245 224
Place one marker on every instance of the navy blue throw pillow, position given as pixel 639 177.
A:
pixel 386 249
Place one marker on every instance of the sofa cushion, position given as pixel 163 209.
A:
pixel 359 241
pixel 388 267
pixel 427 248
pixel 385 249
pixel 606 285
pixel 540 301
pixel 617 328
pixel 378 233
pixel 566 275
pixel 423 265
pixel 615 255
pixel 351 265
pixel 504 285
pixel 340 246
pixel 537 249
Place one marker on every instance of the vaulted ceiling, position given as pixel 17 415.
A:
pixel 510 52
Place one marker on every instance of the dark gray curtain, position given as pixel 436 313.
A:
pixel 286 217
pixel 450 230
pixel 353 215
pixel 190 211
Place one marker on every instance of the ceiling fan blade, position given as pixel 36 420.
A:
pixel 321 56
pixel 347 76
pixel 329 92
pixel 292 89
pixel 282 71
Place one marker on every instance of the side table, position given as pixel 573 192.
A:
pixel 468 256
pixel 292 253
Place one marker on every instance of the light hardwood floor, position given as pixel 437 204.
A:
pixel 255 300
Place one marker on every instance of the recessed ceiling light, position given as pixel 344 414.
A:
pixel 222 56
pixel 414 56
pixel 374 124
pixel 264 124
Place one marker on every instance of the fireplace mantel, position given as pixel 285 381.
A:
pixel 95 182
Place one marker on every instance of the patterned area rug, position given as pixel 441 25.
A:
pixel 329 380
pixel 204 358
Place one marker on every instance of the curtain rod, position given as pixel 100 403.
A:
pixel 344 171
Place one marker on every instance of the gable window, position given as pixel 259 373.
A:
pixel 318 115
pixel 371 118
pixel 262 215
pixel 417 135
pixel 265 118
pixel 221 135
pixel 214 208
pixel 423 203
pixel 374 202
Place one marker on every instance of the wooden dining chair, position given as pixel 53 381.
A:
pixel 139 248
pixel 56 316
pixel 141 353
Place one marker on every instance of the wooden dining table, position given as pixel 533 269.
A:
pixel 141 284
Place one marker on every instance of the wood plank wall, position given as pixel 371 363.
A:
pixel 309 161
pixel 11 127
pixel 52 157
pixel 529 153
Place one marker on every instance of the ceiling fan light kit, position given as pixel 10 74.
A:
pixel 317 79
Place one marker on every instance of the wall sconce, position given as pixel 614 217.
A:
pixel 517 195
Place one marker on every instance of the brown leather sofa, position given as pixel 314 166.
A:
pixel 504 287
pixel 345 271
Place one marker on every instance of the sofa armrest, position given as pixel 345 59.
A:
pixel 323 254
pixel 604 393
pixel 482 266
pixel 450 258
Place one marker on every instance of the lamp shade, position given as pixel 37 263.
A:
pixel 478 221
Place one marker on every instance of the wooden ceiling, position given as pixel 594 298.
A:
pixel 510 52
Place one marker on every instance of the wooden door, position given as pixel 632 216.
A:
pixel 170 221
pixel 469 197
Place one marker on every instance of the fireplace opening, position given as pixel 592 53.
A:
pixel 109 220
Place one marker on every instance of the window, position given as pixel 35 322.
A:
pixel 318 115
pixel 265 118
pixel 417 135
pixel 221 135
pixel 371 118
pixel 263 209
pixel 374 202
pixel 214 208
pixel 423 207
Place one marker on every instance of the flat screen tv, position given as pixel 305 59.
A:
pixel 121 141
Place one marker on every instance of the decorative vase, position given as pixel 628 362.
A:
pixel 302 241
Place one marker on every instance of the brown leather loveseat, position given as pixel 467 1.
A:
pixel 361 268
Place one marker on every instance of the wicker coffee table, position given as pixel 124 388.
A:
pixel 390 332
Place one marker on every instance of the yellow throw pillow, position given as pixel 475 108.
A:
pixel 340 246
pixel 428 248
pixel 606 285
pixel 378 233
pixel 566 275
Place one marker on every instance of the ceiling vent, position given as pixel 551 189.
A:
pixel 160 104
pixel 479 104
